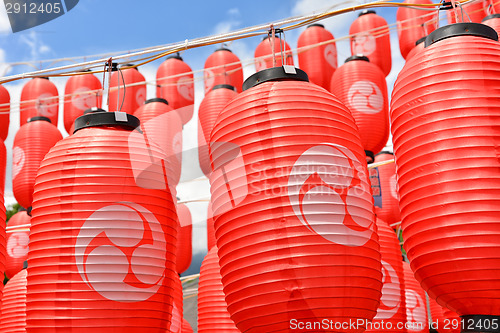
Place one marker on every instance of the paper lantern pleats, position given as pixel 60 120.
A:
pixel 184 249
pixel 442 323
pixel 223 67
pixel 186 327
pixel 127 90
pixel 18 237
pixel 177 307
pixel 210 227
pixel 416 304
pixel 103 230
pixel 39 97
pixel 389 212
pixel 493 21
pixel 264 54
pixel 4 112
pixel 13 315
pixel 447 166
pixel 292 207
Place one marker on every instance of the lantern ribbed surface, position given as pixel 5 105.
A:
pixel 3 217
pixel 442 323
pixel 264 54
pixel 102 238
pixel 130 97
pixel 39 97
pixel 413 24
pixel 13 317
pixel 81 92
pixel 213 316
pixel 32 141
pixel 319 62
pixel 493 21
pixel 293 209
pixel 210 227
pixel 211 105
pixel 4 112
pixel 223 67
pixel 186 327
pixel 361 86
pixel 389 212
pixel 175 83
pixel 416 304
pixel 445 124
pixel 370 37
pixel 416 49
pixel 177 308
pixel 17 243
pixel 184 249
pixel 392 308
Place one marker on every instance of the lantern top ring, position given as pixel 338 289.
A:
pixel 461 29
pixel 274 74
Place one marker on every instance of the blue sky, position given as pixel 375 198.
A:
pixel 97 27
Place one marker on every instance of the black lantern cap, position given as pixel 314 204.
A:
pixel 461 29
pixel 357 57
pixel 98 117
pixel 274 74
pixel 157 100
pixel 316 25
pixel 225 86
pixel 367 11
pixel 39 118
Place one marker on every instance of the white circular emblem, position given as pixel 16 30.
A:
pixel 46 105
pixel 415 311
pixel 363 43
pixel 366 97
pixel 17 244
pixel 209 78
pixel 82 99
pixel 18 158
pixel 185 88
pixel 391 292
pixel 330 54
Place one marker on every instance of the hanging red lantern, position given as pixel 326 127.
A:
pixel 416 304
pixel 112 265
pixel 389 210
pixel 370 37
pixel 264 54
pixel 13 314
pixel 475 11
pixel 392 311
pixel 289 184
pixel 440 321
pixel 39 97
pixel 414 24
pixel 186 327
pixel 419 46
pixel 18 236
pixel 32 141
pixel 210 227
pixel 3 167
pixel 212 308
pixel 361 86
pixel 184 249
pixel 175 83
pixel 177 307
pixel 210 107
pixel 127 90
pixel 4 112
pixel 163 127
pixel 223 67
pixel 3 215
pixel 82 92
pixel 493 21
pixel 447 166
pixel 318 61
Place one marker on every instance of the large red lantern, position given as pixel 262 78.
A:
pixel 493 21
pixel 447 166
pixel 39 97
pixel 389 208
pixel 318 61
pixel 184 249
pixel 82 92
pixel 32 141
pixel 419 46
pixel 475 11
pixel 186 327
pixel 3 217
pixel 4 112
pixel 211 242
pixel 210 107
pixel 175 83
pixel 18 236
pixel 102 240
pixel 392 309
pixel 361 86
pixel 13 314
pixel 163 127
pixel 416 304
pixel 212 308
pixel 289 185
pixel 264 53
pixel 223 67
pixel 127 90
pixel 413 24
pixel 370 37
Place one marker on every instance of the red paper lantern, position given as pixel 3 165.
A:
pixel 264 54
pixel 17 243
pixel 389 212
pixel 175 83
pixel 32 141
pixel 361 86
pixel 82 92
pixel 184 249
pixel 211 242
pixel 419 46
pixel 493 21
pixel 210 107
pixel 416 304
pixel 3 217
pixel 475 10
pixel 4 112
pixel 177 307
pixel 392 310
pixel 370 37
pixel 223 67
pixel 39 97
pixel 102 241
pixel 318 61
pixel 13 315
pixel 440 322
pixel 447 166
pixel 3 167
pixel 186 327
pixel 163 127
pixel 127 90
pixel 413 24
pixel 213 316
pixel 290 185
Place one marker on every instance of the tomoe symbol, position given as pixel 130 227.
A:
pixel 112 257
pixel 389 306
pixel 365 96
pixel 363 43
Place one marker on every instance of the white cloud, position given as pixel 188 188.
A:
pixel 36 45
pixel 230 24
pixel 4 21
